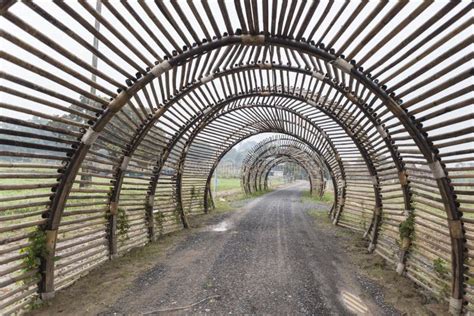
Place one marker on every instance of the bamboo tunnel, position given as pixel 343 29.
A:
pixel 98 159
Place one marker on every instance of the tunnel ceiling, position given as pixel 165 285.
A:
pixel 102 154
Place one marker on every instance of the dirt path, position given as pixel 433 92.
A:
pixel 264 258
pixel 267 257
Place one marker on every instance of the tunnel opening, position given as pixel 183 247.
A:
pixel 99 158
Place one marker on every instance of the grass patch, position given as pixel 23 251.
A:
pixel 227 203
pixel 327 198
pixel 226 184
pixel 222 206
pixel 320 216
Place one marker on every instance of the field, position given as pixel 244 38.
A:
pixel 228 184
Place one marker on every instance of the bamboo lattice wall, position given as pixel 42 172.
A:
pixel 91 167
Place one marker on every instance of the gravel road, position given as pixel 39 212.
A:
pixel 267 257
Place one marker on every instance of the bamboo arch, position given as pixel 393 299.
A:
pixel 407 151
pixel 276 150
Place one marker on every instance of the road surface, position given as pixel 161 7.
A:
pixel 267 257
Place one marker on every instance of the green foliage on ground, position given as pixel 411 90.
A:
pixel 35 250
pixel 407 227
pixel 160 218
pixel 226 184
pixel 440 268
pixel 222 206
pixel 328 197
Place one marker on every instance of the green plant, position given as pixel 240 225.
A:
pixel 122 224
pixel 192 192
pixel 160 218
pixel 407 227
pixel 439 266
pixel 35 250
pixel 445 290
pixel 328 197
pixel 36 303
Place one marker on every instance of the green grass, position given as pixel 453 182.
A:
pixel 328 197
pixel 222 206
pixel 319 216
pixel 226 184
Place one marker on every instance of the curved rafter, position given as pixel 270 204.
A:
pixel 131 153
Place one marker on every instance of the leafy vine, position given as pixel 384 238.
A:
pixel 123 225
pixel 35 250
pixel 160 218
pixel 407 227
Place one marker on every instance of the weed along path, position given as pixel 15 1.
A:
pixel 275 254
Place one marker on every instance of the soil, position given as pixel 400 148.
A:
pixel 275 254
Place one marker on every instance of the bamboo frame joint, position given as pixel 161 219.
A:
pixel 206 110
pixel 90 136
pixel 161 68
pixel 253 39
pixel 150 200
pixel 375 181
pixel 382 131
pixel 437 169
pixel 353 98
pixel 207 78
pixel 400 268
pixel 455 227
pixel 402 176
pixel 113 208
pixel 51 236
pixel 377 211
pixel 318 75
pixel 455 306
pixel 265 65
pixel 371 247
pixel 46 296
pixel 124 164
pixel 116 104
pixel 406 242
pixel 343 65
pixel 311 102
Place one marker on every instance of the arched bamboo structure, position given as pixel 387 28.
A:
pixel 99 158
pixel 272 151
